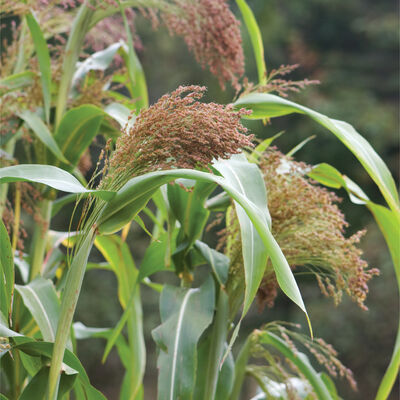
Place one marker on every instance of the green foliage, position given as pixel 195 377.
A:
pixel 82 103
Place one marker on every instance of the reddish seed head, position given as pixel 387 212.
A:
pixel 178 132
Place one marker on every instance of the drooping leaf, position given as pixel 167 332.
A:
pixel 185 314
pixel 6 271
pixel 40 129
pixel 40 298
pixel 43 56
pixel 98 61
pixel 219 262
pixel 267 106
pixel 51 176
pixel 76 131
pixel 135 194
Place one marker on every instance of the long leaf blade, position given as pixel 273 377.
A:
pixel 6 271
pixel 40 129
pixel 51 176
pixel 40 298
pixel 268 105
pixel 43 56
pixel 185 314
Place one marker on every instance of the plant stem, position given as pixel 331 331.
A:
pixel 72 51
pixel 17 216
pixel 68 305
pixel 38 246
pixel 10 146
pixel 240 369
pixel 218 340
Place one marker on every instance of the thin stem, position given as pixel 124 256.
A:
pixel 218 340
pixel 68 305
pixel 38 246
pixel 74 45
pixel 240 369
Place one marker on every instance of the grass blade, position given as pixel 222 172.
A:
pixel 43 56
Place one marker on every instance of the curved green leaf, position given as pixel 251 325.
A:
pixel 40 129
pixel 256 39
pixel 40 298
pixel 134 195
pixel 76 131
pixel 51 176
pixel 185 314
pixel 98 61
pixel 268 106
pixel 43 56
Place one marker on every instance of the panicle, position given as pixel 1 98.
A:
pixel 212 32
pixel 309 227
pixel 177 132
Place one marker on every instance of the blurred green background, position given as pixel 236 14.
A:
pixel 352 48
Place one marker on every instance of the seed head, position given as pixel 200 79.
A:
pixel 212 32
pixel 177 132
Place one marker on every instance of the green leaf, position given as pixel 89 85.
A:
pixel 134 195
pixel 43 56
pixel 76 131
pixel 187 205
pixel 300 146
pixel 138 86
pixel 260 148
pixel 40 129
pixel 40 298
pixel 219 262
pixel 268 105
pixel 185 314
pixel 225 377
pixel 38 384
pixel 51 176
pixel 256 39
pixel 16 81
pixel 98 61
pixel 154 257
pixel 120 113
pixel 237 171
pixel 6 272
pixel 33 348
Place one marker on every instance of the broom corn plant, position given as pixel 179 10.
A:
pixel 62 86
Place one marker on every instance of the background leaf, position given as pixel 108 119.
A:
pixel 185 314
pixel 40 298
pixel 43 56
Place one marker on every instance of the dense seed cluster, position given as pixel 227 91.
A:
pixel 177 132
pixel 212 32
pixel 309 227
